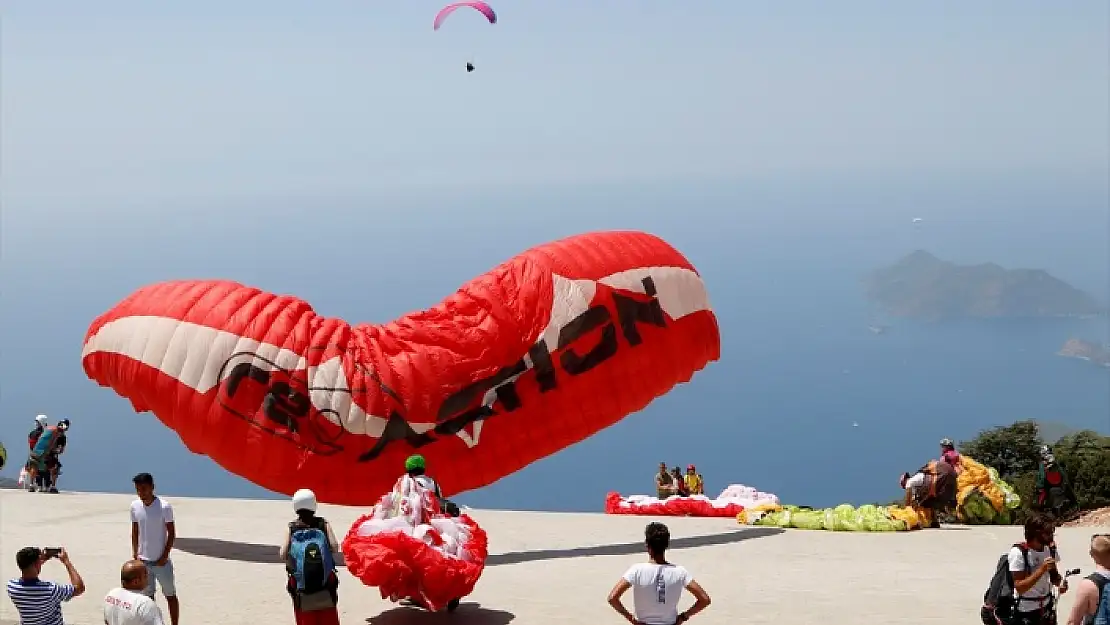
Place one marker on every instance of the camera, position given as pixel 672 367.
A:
pixel 51 552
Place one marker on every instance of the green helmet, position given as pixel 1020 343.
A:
pixel 415 461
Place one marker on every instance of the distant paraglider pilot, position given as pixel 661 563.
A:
pixel 931 490
pixel 481 7
pixel 415 468
pixel 1053 488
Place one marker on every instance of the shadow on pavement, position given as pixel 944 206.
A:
pixel 256 553
pixel 624 549
pixel 466 614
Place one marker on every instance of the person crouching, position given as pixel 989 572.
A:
pixel 930 490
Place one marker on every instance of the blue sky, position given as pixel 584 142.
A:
pixel 132 100
pixel 338 151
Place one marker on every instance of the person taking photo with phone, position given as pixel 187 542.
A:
pixel 39 602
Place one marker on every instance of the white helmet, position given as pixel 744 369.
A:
pixel 42 420
pixel 304 499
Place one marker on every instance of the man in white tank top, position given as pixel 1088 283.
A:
pixel 657 585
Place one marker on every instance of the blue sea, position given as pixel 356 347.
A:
pixel 783 262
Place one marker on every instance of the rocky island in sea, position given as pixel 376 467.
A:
pixel 1092 352
pixel 923 286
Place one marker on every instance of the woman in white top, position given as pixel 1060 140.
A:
pixel 657 585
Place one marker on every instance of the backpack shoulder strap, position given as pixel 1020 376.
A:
pixel 1024 547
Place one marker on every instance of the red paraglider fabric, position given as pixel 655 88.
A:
pixel 539 353
pixel 672 506
pixel 401 566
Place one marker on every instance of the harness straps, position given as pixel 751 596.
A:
pixel 1046 600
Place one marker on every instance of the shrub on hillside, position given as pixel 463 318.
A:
pixel 1086 457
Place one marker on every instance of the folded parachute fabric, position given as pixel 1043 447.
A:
pixel 983 498
pixel 844 518
pixel 730 503
pixel 406 551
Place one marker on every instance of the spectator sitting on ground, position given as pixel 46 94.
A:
pixel 657 585
pixel 127 605
pixel 40 602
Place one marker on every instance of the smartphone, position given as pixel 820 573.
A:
pixel 51 552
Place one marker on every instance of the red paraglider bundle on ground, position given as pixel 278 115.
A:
pixel 672 506
pixel 407 550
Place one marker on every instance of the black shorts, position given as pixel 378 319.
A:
pixel 52 462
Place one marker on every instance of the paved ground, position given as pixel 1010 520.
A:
pixel 545 568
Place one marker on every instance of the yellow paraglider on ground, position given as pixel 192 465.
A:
pixel 843 518
pixel 982 498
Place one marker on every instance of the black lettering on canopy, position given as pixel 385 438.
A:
pixel 281 404
pixel 593 317
pixel 631 311
pixel 459 409
pixel 542 365
pixel 285 405
pixel 242 371
pixel 396 429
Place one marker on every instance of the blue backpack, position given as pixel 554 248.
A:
pixel 1102 614
pixel 311 556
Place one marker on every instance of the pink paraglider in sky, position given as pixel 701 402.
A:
pixel 481 7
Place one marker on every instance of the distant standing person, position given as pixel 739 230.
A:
pixel 127 605
pixel 36 466
pixel 695 485
pixel 679 483
pixel 152 536
pixel 657 585
pixel 664 483
pixel 40 602
pixel 309 552
pixel 53 460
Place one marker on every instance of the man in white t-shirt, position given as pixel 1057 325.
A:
pixel 152 536
pixel 1034 571
pixel 127 605
pixel 657 585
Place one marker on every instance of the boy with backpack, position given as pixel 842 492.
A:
pixel 309 552
pixel 1092 594
pixel 1020 592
